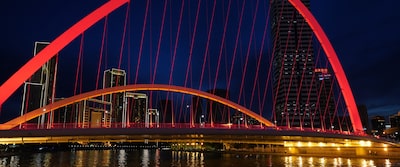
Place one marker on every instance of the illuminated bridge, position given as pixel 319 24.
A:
pixel 190 72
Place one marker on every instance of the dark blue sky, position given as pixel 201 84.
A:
pixel 364 34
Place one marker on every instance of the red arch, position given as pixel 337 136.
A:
pixel 137 87
pixel 335 63
pixel 35 63
pixel 59 43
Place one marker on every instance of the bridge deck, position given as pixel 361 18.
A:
pixel 260 136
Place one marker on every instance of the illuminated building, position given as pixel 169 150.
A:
pixel 137 104
pixel 394 129
pixel 93 113
pixel 39 90
pixel 378 125
pixel 294 87
pixel 112 78
pixel 325 102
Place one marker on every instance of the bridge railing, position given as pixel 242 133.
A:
pixel 28 126
pixel 31 126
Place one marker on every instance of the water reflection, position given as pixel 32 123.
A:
pixel 310 162
pixel 322 162
pixel 9 161
pixel 122 158
pixel 336 162
pixel 160 158
pixel 145 158
pixel 387 163
pixel 41 159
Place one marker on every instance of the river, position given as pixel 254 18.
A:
pixel 161 158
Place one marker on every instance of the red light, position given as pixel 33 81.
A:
pixel 336 66
pixel 54 47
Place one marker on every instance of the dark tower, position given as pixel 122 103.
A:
pixel 295 93
pixel 216 111
pixel 165 107
pixel 363 112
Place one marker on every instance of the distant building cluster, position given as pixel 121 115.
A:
pixel 389 130
pixel 117 109
pixel 123 109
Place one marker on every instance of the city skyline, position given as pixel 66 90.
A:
pixel 380 94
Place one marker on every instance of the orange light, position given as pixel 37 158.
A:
pixel 135 87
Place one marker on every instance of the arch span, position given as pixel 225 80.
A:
pixel 137 87
pixel 46 54
pixel 335 63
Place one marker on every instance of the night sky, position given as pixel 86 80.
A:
pixel 364 34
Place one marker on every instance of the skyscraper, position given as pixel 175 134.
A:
pixel 325 102
pixel 363 112
pixel 39 90
pixel 378 125
pixel 136 106
pixel 112 78
pixel 295 93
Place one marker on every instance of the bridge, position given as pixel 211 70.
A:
pixel 221 85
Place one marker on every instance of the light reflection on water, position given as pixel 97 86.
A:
pixel 158 158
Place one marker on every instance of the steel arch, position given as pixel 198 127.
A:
pixel 135 87
pixel 335 63
pixel 26 71
pixel 46 54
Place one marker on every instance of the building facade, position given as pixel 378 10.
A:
pixel 112 78
pixel 378 125
pixel 325 101
pixel 295 93
pixel 137 104
pixel 39 90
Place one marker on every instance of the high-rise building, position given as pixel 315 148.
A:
pixel 295 93
pixel 395 120
pixel 362 111
pixel 112 78
pixel 378 125
pixel 39 90
pixel 325 102
pixel 394 130
pixel 136 107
